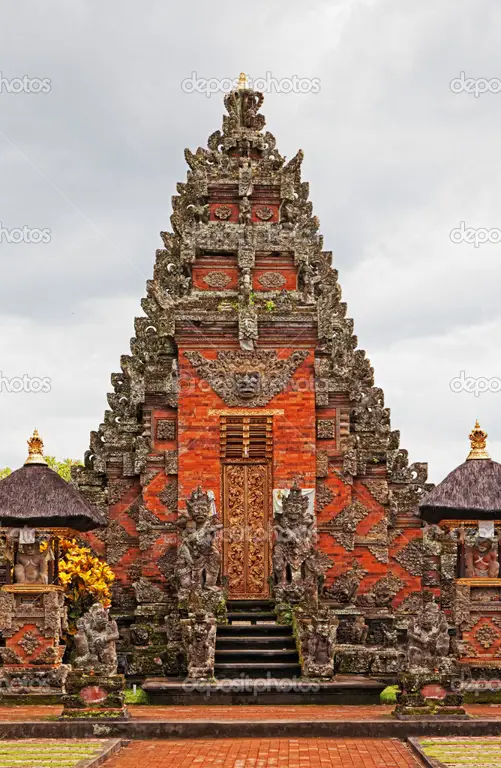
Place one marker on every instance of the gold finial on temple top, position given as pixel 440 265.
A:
pixel 478 441
pixel 243 82
pixel 35 450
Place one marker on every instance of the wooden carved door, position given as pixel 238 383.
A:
pixel 246 546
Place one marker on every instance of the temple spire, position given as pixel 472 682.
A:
pixel 243 82
pixel 478 442
pixel 35 450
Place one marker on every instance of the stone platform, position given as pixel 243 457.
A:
pixel 344 689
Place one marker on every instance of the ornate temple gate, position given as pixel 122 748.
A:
pixel 246 444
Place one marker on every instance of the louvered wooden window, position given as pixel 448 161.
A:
pixel 246 437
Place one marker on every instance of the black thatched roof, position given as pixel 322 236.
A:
pixel 37 496
pixel 472 491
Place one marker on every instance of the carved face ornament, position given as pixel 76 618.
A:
pixel 247 384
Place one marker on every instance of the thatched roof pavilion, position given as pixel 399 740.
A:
pixel 37 497
pixel 472 491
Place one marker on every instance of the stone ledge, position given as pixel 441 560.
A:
pixel 152 730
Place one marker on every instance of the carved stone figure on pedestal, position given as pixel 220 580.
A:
pixel 317 636
pixel 244 216
pixel 95 642
pixel 245 285
pixel 481 559
pixel 297 562
pixel 199 639
pixel 428 638
pixel 358 631
pixel 247 327
pixel 31 565
pixel 199 559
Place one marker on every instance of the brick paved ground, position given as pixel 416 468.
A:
pixel 210 712
pixel 266 753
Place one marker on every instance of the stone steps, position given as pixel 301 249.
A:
pixel 283 642
pixel 261 669
pixel 246 649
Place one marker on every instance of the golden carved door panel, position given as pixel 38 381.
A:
pixel 246 494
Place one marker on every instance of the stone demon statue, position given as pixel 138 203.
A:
pixel 317 636
pixel 198 560
pixel 297 563
pixel 95 642
pixel 428 638
pixel 199 640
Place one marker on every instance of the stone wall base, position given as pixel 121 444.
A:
pixel 94 697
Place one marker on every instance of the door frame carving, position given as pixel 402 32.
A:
pixel 268 524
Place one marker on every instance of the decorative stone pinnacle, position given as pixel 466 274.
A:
pixel 243 82
pixel 35 450
pixel 478 442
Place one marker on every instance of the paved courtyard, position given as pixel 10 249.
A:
pixel 266 753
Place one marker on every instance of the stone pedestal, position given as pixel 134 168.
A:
pixel 94 697
pixel 33 619
pixel 426 694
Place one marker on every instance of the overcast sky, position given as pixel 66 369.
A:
pixel 395 159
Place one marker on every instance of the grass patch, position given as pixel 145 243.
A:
pixel 478 752
pixel 35 753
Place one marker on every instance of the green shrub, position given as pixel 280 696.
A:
pixel 139 697
pixel 389 695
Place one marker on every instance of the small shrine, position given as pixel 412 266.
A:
pixel 37 508
pixel 459 637
pixel 464 511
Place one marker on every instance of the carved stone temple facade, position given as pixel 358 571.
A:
pixel 247 453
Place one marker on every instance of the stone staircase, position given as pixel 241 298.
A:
pixel 253 645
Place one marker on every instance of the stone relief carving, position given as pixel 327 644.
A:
pixel 345 587
pixel 264 212
pixel 247 379
pixel 217 280
pixel 383 592
pixel 272 281
pixel 222 212
pixel 326 429
pixel 166 429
